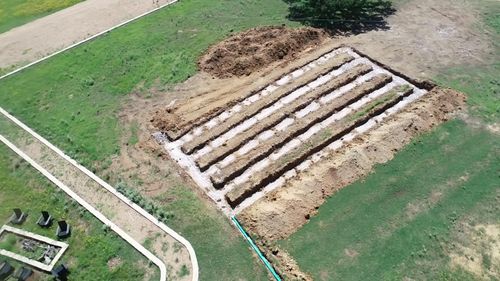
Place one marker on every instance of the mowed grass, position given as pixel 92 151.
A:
pixel 74 99
pixel 18 12
pixel 400 221
pixel 90 245
pixel 408 218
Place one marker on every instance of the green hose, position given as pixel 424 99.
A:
pixel 256 249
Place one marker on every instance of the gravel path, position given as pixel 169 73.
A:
pixel 36 39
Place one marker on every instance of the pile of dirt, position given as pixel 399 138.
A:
pixel 252 50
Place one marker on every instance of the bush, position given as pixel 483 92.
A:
pixel 158 212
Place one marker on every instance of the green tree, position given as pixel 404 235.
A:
pixel 341 15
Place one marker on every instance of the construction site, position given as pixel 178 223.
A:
pixel 271 131
pixel 250 140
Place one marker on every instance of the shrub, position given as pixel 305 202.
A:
pixel 158 212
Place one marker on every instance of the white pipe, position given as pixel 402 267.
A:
pixel 179 238
pixel 96 213
pixel 111 189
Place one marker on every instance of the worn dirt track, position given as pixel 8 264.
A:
pixel 36 39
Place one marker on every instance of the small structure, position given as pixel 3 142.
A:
pixel 23 274
pixel 31 241
pixel 45 219
pixel 18 217
pixel 60 273
pixel 5 270
pixel 63 229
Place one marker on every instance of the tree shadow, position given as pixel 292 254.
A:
pixel 341 16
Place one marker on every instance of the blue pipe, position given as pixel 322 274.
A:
pixel 256 249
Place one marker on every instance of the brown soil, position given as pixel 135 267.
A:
pixel 300 126
pixel 424 38
pixel 315 144
pixel 114 262
pixel 266 101
pixel 283 262
pixel 252 50
pixel 278 116
pixel 203 97
pixel 283 211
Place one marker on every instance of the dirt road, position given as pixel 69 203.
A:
pixel 36 39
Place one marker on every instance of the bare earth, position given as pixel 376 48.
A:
pixel 427 36
pixel 36 39
pixel 285 210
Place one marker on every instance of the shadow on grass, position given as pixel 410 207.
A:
pixel 341 16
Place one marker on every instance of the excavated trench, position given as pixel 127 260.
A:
pixel 235 143
pixel 297 128
pixel 314 144
pixel 271 134
pixel 265 101
pixel 174 129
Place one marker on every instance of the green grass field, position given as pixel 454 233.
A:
pixel 73 99
pixel 401 220
pixel 18 12
pixel 408 218
pixel 90 246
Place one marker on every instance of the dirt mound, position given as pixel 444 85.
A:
pixel 252 50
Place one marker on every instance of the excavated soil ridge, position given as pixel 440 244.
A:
pixel 267 101
pixel 280 214
pixel 236 142
pixel 237 168
pixel 217 95
pixel 252 50
pixel 315 144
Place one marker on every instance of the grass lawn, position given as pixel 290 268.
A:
pixel 401 221
pixel 412 215
pixel 90 245
pixel 74 98
pixel 18 12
